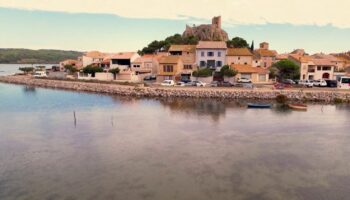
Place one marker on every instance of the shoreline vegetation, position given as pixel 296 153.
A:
pixel 41 56
pixel 139 90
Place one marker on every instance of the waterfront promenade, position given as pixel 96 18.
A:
pixel 316 95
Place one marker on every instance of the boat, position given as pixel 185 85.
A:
pixel 259 105
pixel 298 106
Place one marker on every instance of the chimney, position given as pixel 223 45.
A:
pixel 264 45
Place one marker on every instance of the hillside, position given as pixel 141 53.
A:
pixel 42 56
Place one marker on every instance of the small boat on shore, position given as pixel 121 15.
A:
pixel 301 107
pixel 259 105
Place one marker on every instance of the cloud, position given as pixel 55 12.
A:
pixel 298 12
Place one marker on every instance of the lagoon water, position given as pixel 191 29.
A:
pixel 132 149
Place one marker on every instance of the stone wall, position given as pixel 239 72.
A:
pixel 227 93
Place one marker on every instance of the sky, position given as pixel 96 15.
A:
pixel 119 25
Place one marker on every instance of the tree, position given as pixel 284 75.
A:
pixel 114 71
pixel 91 69
pixel 204 72
pixel 26 70
pixel 285 69
pixel 237 42
pixel 227 71
pixel 252 46
pixel 71 68
pixel 164 45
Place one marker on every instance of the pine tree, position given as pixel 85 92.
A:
pixel 252 46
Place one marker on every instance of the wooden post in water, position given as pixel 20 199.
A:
pixel 75 119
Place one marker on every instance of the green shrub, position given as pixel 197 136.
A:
pixel 227 71
pixel 26 70
pixel 90 69
pixel 205 72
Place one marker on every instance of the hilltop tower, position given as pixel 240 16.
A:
pixel 216 22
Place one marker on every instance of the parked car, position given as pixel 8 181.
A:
pixel 168 83
pixel 225 84
pixel 319 83
pixel 186 80
pixel 190 83
pixel 180 84
pixel 199 84
pixel 306 83
pixel 244 80
pixel 344 83
pixel 40 74
pixel 288 81
pixel 279 86
pixel 150 78
pixel 332 83
pixel 214 84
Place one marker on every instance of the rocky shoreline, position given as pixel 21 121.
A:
pixel 326 96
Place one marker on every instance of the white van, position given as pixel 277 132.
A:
pixel 40 74
pixel 344 83
pixel 168 83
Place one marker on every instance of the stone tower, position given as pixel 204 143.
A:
pixel 216 22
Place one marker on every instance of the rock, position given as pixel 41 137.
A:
pixel 207 32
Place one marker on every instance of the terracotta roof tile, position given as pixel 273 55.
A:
pixel 169 59
pixel 123 55
pixel 265 53
pixel 211 45
pixel 248 69
pixel 186 48
pixel 239 52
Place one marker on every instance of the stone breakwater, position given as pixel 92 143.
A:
pixel 318 95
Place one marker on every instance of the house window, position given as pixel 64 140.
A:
pixel 319 68
pixel 210 54
pixel 218 63
pixel 239 58
pixel 262 78
pixel 187 66
pixel 202 53
pixel 168 68
pixel 203 64
pixel 326 68
pixel 219 54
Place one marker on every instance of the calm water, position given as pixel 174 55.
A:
pixel 129 149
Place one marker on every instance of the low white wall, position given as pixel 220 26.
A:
pixel 104 76
pixel 203 79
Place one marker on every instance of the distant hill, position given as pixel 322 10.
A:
pixel 42 56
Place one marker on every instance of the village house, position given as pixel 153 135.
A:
pixel 123 60
pixel 75 63
pixel 255 74
pixel 211 54
pixel 313 68
pixel 170 68
pixel 337 62
pixel 147 64
pixel 92 57
pixel 188 57
pixel 240 56
pixel 264 57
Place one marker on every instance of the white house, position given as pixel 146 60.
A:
pixel 211 54
pixel 123 60
pixel 92 57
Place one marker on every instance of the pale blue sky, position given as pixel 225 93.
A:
pixel 111 33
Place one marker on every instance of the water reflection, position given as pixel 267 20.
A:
pixel 127 148
pixel 29 89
